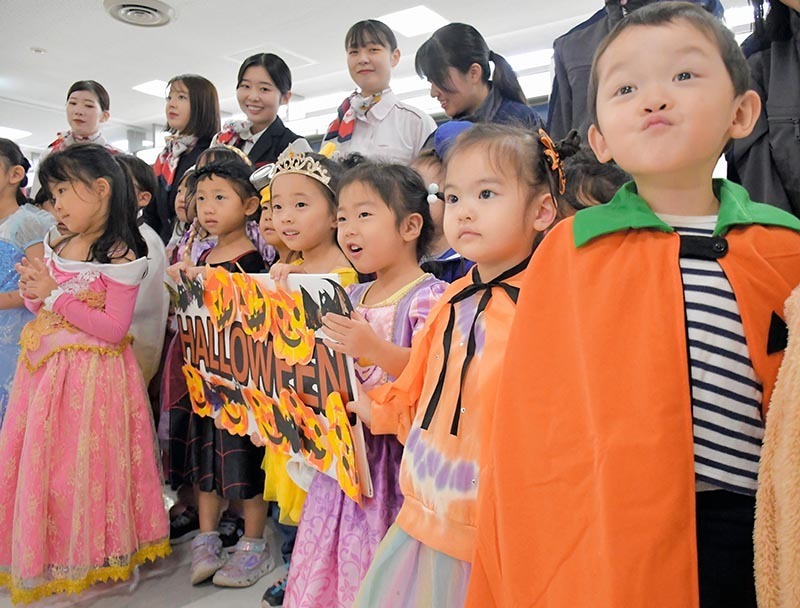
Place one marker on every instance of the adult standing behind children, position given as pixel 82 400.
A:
pixel 263 85
pixel 192 120
pixel 455 60
pixel 88 107
pixel 373 121
pixel 622 464
pixel 766 162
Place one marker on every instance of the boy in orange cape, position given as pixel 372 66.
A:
pixel 622 465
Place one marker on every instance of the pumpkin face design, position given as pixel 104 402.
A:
pixel 292 340
pixel 197 390
pixel 263 408
pixel 341 443
pixel 232 415
pixel 313 438
pixel 254 308
pixel 220 298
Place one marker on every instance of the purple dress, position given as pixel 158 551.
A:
pixel 337 539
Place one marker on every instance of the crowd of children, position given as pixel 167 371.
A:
pixel 565 354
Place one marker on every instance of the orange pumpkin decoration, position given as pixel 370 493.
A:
pixel 263 408
pixel 313 437
pixel 254 307
pixel 292 341
pixel 233 417
pixel 342 448
pixel 220 297
pixel 197 390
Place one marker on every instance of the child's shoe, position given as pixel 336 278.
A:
pixel 274 594
pixel 184 527
pixel 231 529
pixel 250 561
pixel 207 556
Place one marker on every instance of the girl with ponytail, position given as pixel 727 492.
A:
pixel 455 60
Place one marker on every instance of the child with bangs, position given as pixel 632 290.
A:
pixel 648 337
pixel 500 187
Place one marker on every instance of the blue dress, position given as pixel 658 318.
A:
pixel 27 226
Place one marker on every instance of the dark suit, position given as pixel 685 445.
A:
pixel 271 143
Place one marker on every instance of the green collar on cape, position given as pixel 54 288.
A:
pixel 629 211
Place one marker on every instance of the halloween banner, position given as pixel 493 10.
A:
pixel 254 360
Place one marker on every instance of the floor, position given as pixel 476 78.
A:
pixel 166 584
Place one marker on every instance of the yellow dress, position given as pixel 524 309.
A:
pixel 278 486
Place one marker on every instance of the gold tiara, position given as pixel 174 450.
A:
pixel 295 159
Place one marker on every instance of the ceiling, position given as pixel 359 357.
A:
pixel 211 37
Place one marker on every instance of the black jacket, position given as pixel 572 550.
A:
pixel 269 146
pixel 767 162
pixel 160 213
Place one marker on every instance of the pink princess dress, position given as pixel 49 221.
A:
pixel 337 539
pixel 81 495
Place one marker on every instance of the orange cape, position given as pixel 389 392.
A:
pixel 587 490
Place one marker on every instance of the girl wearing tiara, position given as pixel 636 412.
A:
pixel 384 228
pixel 81 500
pixel 22 229
pixel 192 120
pixel 455 60
pixel 372 121
pixel 88 107
pixel 263 85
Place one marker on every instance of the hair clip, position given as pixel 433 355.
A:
pixel 553 160
pixel 433 194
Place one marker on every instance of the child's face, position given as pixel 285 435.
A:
pixel 259 98
pixel 266 228
pixel 178 108
pixel 220 208
pixel 180 202
pixel 84 113
pixel 433 173
pixel 301 213
pixel 368 231
pixel 371 66
pixel 489 218
pixel 665 102
pixel 79 207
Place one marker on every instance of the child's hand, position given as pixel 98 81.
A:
pixel 192 272
pixel 174 271
pixel 35 279
pixel 361 407
pixel 279 272
pixel 353 336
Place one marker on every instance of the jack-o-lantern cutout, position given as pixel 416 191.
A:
pixel 263 408
pixel 232 415
pixel 341 444
pixel 254 307
pixel 292 341
pixel 233 418
pixel 197 390
pixel 313 437
pixel 220 297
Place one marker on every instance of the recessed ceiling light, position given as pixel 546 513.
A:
pixel 143 13
pixel 13 134
pixel 37 50
pixel 156 88
pixel 414 21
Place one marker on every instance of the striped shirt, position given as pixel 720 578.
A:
pixel 726 394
